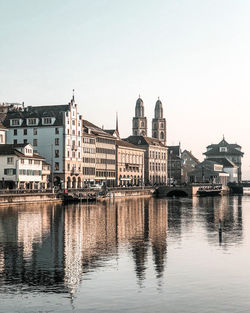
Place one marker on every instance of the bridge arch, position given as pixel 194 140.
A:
pixel 177 193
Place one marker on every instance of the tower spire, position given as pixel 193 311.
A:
pixel 116 127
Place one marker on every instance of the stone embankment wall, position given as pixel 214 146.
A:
pixel 128 193
pixel 28 198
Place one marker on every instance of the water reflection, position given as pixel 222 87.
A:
pixel 226 211
pixel 51 248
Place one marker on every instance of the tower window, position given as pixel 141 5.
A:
pixel 142 124
pixel 162 135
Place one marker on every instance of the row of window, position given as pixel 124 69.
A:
pixel 32 121
pixel 105 140
pixel 105 174
pixel 89 140
pixel 88 171
pixel 88 160
pixel 35 142
pixel 157 166
pixel 105 161
pixel 30 172
pixel 10 160
pixel 89 150
pixel 157 155
pixel 129 169
pixel 129 158
pixel 25 131
pixel 105 151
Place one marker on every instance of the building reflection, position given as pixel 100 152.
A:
pixel 224 211
pixel 53 248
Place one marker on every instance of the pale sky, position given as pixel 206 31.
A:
pixel 193 54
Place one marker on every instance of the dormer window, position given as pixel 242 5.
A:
pixel 15 122
pixel 47 120
pixel 223 149
pixel 32 121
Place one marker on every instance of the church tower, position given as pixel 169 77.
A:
pixel 159 124
pixel 139 121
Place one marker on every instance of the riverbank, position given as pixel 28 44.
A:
pixel 10 198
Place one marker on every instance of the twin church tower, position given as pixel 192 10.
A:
pixel 140 127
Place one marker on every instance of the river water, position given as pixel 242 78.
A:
pixel 134 255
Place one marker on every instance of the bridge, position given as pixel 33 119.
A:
pixel 189 190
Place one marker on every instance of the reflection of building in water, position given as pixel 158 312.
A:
pixel 38 262
pixel 73 233
pixel 141 221
pixel 51 247
pixel 133 229
pixel 158 214
pixel 226 209
pixel 31 228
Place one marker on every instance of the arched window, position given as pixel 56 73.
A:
pixel 142 124
pixel 162 135
pixel 155 135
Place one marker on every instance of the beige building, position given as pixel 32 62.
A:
pixel 129 164
pixel 155 159
pixel 105 154
pixel 89 158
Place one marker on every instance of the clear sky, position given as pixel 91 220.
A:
pixel 193 54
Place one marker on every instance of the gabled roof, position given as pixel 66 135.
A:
pixel 224 161
pixel 144 141
pixel 232 149
pixel 9 149
pixel 191 156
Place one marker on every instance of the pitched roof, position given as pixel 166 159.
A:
pixel 95 129
pixel 144 141
pixel 175 150
pixel 56 111
pixel 224 161
pixel 123 143
pixel 232 149
pixel 9 149
pixel 191 155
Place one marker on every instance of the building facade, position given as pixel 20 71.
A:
pixel 174 164
pixel 189 162
pixel 20 167
pixel 105 154
pixel 155 159
pixel 55 132
pixel 129 164
pixel 209 171
pixel 231 152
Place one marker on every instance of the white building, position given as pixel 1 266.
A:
pixel 2 133
pixel 55 132
pixel 20 167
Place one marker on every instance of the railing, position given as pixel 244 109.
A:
pixel 25 191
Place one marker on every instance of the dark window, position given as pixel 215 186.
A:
pixel 15 142
pixel 35 131
pixel 25 131
pixel 15 132
pixel 56 130
pixel 34 142
pixel 25 141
